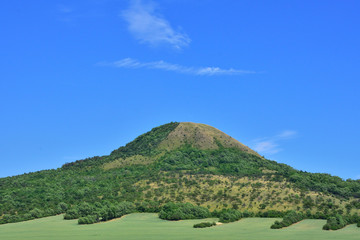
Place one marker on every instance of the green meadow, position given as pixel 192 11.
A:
pixel 149 226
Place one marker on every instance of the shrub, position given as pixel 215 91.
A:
pixel 116 211
pixel 180 211
pixel 148 206
pixel 72 213
pixel 85 209
pixel 36 213
pixel 289 219
pixel 62 207
pixel 271 214
pixel 229 215
pixel 358 224
pixel 6 218
pixel 335 223
pixel 88 219
pixel 204 224
pixel 247 214
pixel 102 211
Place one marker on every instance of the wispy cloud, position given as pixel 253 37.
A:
pixel 271 145
pixel 64 9
pixel 162 65
pixel 286 135
pixel 66 14
pixel 73 15
pixel 149 27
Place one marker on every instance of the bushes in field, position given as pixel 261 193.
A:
pixel 71 214
pixel 180 211
pixel 36 213
pixel 289 219
pixel 88 213
pixel 33 214
pixel 148 206
pixel 62 207
pixel 89 219
pixel 82 210
pixel 204 224
pixel 338 221
pixel 335 223
pixel 116 211
pixel 7 218
pixel 352 219
pixel 270 214
pixel 229 215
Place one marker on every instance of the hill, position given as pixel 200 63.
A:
pixel 178 162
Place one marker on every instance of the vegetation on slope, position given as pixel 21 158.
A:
pixel 229 215
pixel 289 219
pixel 338 221
pixel 145 145
pixel 204 224
pixel 202 137
pixel 182 211
pixel 335 223
pixel 144 172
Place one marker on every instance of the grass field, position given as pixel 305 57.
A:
pixel 149 226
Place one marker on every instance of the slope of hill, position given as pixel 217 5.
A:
pixel 179 162
pixel 200 136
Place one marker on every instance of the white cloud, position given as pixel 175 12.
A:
pixel 271 145
pixel 286 134
pixel 148 27
pixel 201 71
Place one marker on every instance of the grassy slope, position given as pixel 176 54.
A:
pixel 242 191
pixel 201 136
pixel 149 226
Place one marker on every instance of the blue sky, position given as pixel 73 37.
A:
pixel 81 78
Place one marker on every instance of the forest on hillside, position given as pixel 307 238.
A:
pixel 85 189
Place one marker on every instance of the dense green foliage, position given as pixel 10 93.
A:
pixel 289 219
pixel 100 211
pixel 148 206
pixel 229 215
pixel 223 161
pixel 335 223
pixel 271 214
pixel 147 142
pixel 358 224
pixel 82 210
pixel 33 214
pixel 204 224
pixel 109 212
pixel 326 183
pixel 181 211
pixel 90 219
pixel 232 161
pixel 338 221
pixel 145 145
